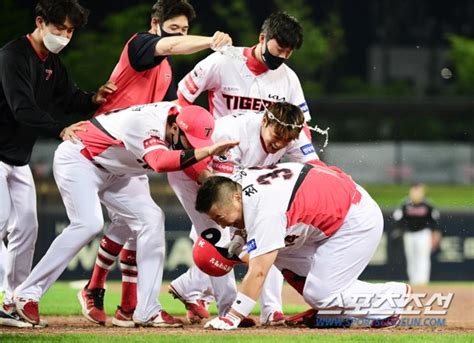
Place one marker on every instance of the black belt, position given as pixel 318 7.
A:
pixel 304 171
pixel 98 125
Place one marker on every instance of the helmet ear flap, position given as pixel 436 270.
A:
pixel 212 235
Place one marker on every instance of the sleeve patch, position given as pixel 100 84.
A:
pixel 251 245
pixel 307 149
pixel 190 84
pixel 304 107
pixel 152 141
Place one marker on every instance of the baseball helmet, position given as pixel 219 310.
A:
pixel 211 259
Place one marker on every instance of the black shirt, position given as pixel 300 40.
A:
pixel 29 87
pixel 415 217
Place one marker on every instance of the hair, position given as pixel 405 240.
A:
pixel 167 9
pixel 284 28
pixel 286 113
pixel 216 189
pixel 56 12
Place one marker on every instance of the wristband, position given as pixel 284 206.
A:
pixel 243 304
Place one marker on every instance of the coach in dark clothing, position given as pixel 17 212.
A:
pixel 32 79
pixel 418 220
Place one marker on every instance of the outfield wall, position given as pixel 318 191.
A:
pixel 453 261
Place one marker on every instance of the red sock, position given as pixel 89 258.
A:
pixel 108 252
pixel 128 264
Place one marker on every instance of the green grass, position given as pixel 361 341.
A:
pixel 61 300
pixel 442 196
pixel 230 338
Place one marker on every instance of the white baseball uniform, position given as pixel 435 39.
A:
pixel 234 88
pixel 239 84
pixel 250 152
pixel 19 221
pixel 97 170
pixel 325 227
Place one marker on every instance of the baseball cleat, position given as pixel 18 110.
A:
pixel 28 310
pixel 247 322
pixel 276 318
pixel 123 319
pixel 192 317
pixel 10 317
pixel 195 306
pixel 301 319
pixel 393 320
pixel 92 303
pixel 162 320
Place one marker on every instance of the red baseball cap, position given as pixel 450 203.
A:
pixel 197 124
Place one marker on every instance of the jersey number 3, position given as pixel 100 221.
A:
pixel 265 179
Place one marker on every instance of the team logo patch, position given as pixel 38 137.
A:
pixel 251 245
pixel 307 149
pixel 304 107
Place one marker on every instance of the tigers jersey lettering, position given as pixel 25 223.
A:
pixel 236 90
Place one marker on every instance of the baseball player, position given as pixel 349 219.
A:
pixel 418 220
pixel 142 75
pixel 246 80
pixel 32 78
pixel 313 220
pixel 265 139
pixel 160 137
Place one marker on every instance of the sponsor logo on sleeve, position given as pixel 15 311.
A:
pixel 251 245
pixel 304 107
pixel 151 142
pixel 307 149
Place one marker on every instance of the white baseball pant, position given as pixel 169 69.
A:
pixel 418 254
pixel 333 265
pixel 83 186
pixel 19 221
pixel 225 289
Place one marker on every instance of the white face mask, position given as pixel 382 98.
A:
pixel 55 43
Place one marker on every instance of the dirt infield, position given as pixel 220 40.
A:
pixel 459 319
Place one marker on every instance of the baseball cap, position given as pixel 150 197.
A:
pixel 197 124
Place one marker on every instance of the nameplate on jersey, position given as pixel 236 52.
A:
pixel 249 190
pixel 307 149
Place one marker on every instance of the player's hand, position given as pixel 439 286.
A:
pixel 229 322
pixel 101 96
pixel 235 246
pixel 69 133
pixel 222 147
pixel 220 39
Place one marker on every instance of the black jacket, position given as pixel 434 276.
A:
pixel 29 87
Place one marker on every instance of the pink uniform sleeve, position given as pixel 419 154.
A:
pixel 196 169
pixel 161 160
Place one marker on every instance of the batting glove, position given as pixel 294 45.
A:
pixel 236 245
pixel 229 322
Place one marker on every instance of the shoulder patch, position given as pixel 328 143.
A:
pixel 307 149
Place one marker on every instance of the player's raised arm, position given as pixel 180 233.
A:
pixel 183 45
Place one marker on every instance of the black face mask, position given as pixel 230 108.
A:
pixel 271 61
pixel 179 145
pixel 167 34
